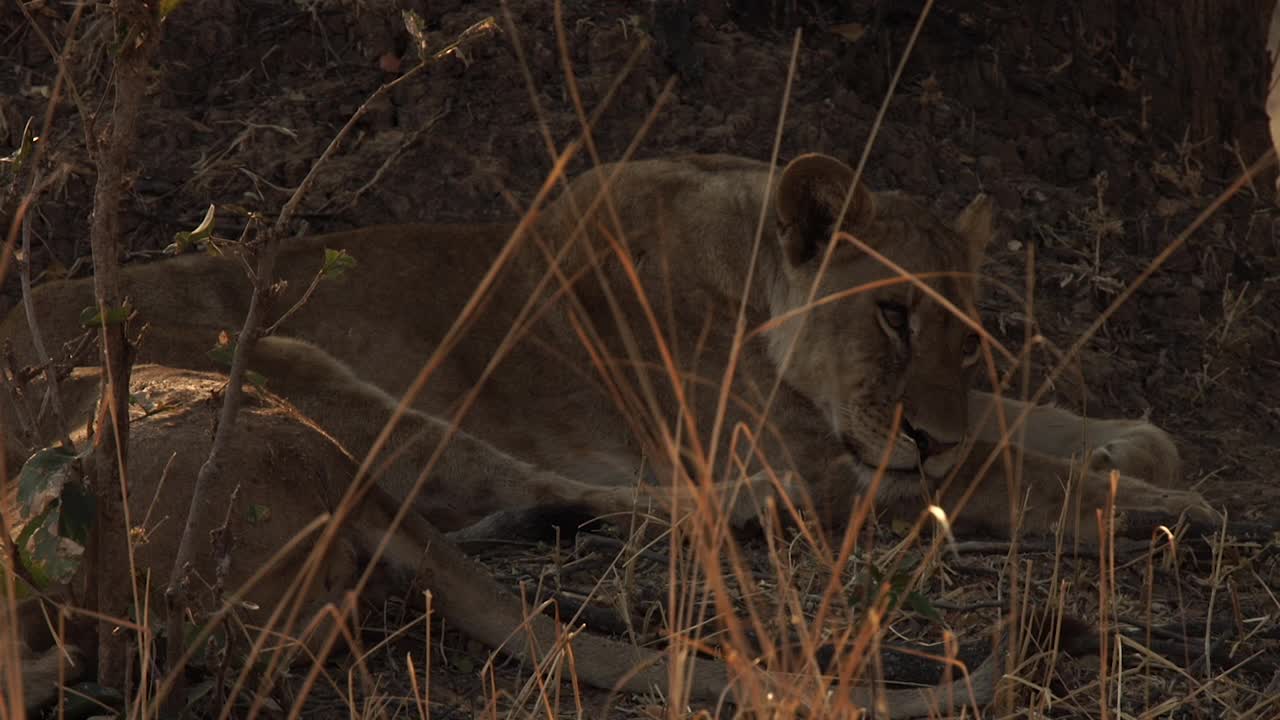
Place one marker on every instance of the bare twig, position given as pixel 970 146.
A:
pixel 306 295
pixel 14 386
pixel 37 341
pixel 395 155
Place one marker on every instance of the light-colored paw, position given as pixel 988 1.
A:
pixel 1138 449
pixel 1193 504
pixel 747 501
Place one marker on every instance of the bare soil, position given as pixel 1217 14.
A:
pixel 998 97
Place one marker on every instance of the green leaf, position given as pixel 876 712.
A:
pixel 18 157
pixel 78 506
pixel 42 478
pixel 90 317
pixel 336 262
pixel 46 557
pixel 30 528
pixel 184 240
pixel 921 605
pixel 258 514
pixel 222 353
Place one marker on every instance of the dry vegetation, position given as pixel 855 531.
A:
pixel 1135 276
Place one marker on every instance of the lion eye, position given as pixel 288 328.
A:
pixel 894 315
pixel 971 343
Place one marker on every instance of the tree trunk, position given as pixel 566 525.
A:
pixel 109 581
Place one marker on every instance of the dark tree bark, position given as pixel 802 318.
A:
pixel 109 584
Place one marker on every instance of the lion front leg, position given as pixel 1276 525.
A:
pixel 1057 494
pixel 1136 448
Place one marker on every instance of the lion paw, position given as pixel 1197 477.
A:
pixel 1165 506
pixel 746 501
pixel 1140 450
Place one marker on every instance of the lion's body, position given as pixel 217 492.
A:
pixel 583 394
pixel 288 480
pixel 688 226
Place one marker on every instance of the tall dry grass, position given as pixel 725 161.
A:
pixel 784 602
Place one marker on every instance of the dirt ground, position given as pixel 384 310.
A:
pixel 994 99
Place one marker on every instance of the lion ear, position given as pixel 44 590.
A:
pixel 810 195
pixel 974 224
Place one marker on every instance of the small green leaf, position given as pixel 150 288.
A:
pixel 184 240
pixel 336 262
pixel 222 355
pixel 16 159
pixel 78 507
pixel 224 351
pixel 921 605
pixel 90 317
pixel 258 514
pixel 42 478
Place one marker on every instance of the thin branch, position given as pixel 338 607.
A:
pixel 213 467
pixel 109 587
pixel 306 295
pixel 395 155
pixel 37 341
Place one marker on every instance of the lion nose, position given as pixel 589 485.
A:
pixel 926 444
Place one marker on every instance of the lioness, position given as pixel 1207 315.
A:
pixel 289 474
pixel 601 336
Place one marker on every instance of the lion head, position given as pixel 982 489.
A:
pixel 874 340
